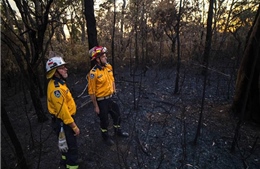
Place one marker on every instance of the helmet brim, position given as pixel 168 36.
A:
pixel 99 55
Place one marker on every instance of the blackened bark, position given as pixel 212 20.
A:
pixel 29 77
pixel 15 141
pixel 91 23
pixel 176 89
pixel 246 98
pixel 28 48
pixel 246 102
pixel 113 38
pixel 206 63
pixel 35 96
pixel 208 38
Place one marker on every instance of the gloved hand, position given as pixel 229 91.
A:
pixel 62 143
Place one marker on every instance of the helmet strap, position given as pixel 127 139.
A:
pixel 61 77
pixel 100 63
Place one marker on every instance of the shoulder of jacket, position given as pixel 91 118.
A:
pixel 109 66
pixel 56 83
pixel 93 69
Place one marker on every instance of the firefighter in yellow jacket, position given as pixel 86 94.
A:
pixel 101 87
pixel 63 108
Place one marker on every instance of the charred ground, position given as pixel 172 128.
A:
pixel 162 125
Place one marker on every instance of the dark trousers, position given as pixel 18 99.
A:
pixel 71 156
pixel 108 106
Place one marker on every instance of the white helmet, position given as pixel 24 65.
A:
pixel 54 62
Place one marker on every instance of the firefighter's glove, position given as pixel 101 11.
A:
pixel 63 146
pixel 62 143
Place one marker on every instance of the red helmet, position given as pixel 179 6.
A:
pixel 96 52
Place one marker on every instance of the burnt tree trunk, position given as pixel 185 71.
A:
pixel 31 80
pixel 91 25
pixel 207 49
pixel 27 45
pixel 15 141
pixel 176 89
pixel 113 38
pixel 35 96
pixel 205 69
pixel 246 103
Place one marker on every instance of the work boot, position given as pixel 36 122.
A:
pixel 63 161
pixel 107 139
pixel 62 164
pixel 120 133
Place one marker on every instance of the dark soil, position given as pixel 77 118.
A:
pixel 162 125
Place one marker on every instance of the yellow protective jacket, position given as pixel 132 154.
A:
pixel 100 81
pixel 60 101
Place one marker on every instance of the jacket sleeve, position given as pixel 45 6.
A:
pixel 58 97
pixel 110 71
pixel 92 83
